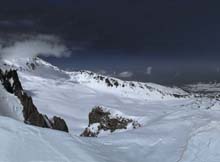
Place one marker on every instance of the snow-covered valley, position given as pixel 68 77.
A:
pixel 176 126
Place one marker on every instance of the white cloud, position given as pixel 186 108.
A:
pixel 125 74
pixel 40 45
pixel 149 70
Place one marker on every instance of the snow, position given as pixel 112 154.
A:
pixel 10 105
pixel 204 87
pixel 137 90
pixel 203 144
pixel 23 143
pixel 173 129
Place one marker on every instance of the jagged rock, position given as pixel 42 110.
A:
pixel 29 107
pixel 59 124
pixel 106 122
pixel 10 81
pixel 109 84
pixel 99 77
pixel 37 119
pixel 12 84
pixel 88 133
pixel 116 83
pixel 179 96
pixel 97 115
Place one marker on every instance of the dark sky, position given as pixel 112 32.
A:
pixel 176 37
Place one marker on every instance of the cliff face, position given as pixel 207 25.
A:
pixel 32 116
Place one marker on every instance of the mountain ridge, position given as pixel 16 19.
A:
pixel 93 80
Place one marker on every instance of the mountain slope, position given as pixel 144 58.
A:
pixel 10 82
pixel 10 105
pixel 72 95
pixel 138 90
pixel 23 143
pixel 175 126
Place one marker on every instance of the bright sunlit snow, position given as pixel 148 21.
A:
pixel 173 129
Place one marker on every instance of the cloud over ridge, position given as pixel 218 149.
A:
pixel 32 46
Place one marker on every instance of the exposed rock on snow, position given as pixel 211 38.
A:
pixel 103 120
pixel 12 84
pixel 59 124
pixel 128 89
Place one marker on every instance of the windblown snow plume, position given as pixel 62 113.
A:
pixel 40 45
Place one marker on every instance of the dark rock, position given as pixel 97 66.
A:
pixel 114 124
pixel 7 86
pixel 97 115
pixel 116 83
pixel 109 84
pixel 136 125
pixel 59 124
pixel 28 107
pixel 88 133
pixel 12 84
pixel 179 96
pixel 176 95
pixel 106 122
pixel 37 119
pixel 99 77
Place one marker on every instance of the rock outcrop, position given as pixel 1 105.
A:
pixel 12 84
pixel 101 120
pixel 59 124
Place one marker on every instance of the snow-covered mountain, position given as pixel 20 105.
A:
pixel 138 90
pixel 172 124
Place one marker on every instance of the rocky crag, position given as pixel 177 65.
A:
pixel 32 116
pixel 102 120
